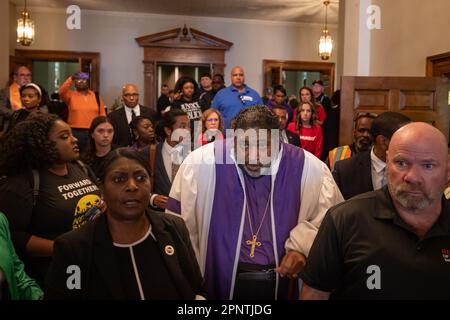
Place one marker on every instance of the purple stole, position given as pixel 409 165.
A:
pixel 227 213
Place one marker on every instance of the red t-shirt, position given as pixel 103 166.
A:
pixel 311 139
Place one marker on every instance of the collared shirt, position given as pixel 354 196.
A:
pixel 229 101
pixel 167 150
pixel 364 250
pixel 137 112
pixel 378 171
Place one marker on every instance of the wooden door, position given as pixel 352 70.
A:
pixel 438 65
pixel 420 98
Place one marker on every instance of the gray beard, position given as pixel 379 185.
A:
pixel 264 171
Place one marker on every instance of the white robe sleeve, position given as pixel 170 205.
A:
pixel 193 187
pixel 319 192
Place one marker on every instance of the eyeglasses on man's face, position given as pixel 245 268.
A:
pixel 129 95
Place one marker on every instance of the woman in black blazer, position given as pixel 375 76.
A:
pixel 130 252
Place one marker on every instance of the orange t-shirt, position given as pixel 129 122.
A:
pixel 83 108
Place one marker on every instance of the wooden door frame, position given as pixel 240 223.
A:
pixel 187 46
pixel 323 67
pixel 73 56
pixel 442 60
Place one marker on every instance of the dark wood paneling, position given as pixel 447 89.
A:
pixel 421 99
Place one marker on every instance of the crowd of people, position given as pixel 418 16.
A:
pixel 217 193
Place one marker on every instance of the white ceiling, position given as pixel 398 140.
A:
pixel 277 10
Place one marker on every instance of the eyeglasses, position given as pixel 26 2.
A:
pixel 128 95
pixel 24 75
pixel 212 120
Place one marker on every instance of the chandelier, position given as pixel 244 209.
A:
pixel 325 42
pixel 25 28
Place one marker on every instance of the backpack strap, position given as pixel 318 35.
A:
pixel 88 171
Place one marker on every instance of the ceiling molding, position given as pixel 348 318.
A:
pixel 181 17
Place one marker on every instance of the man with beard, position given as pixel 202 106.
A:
pixel 362 140
pixel 393 243
pixel 366 171
pixel 252 206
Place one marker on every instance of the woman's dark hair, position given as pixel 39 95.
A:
pixel 279 88
pixel 89 155
pixel 182 81
pixel 167 121
pixel 27 146
pixel 336 98
pixel 294 104
pixel 135 123
pixel 121 153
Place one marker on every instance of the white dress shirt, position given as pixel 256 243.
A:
pixel 378 171
pixel 137 112
pixel 284 137
pixel 167 158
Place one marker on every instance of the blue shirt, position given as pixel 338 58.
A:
pixel 229 102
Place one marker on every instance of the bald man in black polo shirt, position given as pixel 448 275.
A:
pixel 393 243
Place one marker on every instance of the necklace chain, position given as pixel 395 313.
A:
pixel 262 219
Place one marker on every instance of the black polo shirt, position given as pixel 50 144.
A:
pixel 362 243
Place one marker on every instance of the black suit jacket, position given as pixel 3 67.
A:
pixel 293 138
pixel 91 249
pixel 354 175
pixel 122 132
pixel 161 179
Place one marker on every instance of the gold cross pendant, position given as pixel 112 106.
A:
pixel 253 243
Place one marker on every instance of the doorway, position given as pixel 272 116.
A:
pixel 52 74
pixel 51 68
pixel 295 74
pixel 169 73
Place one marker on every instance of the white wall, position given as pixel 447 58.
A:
pixel 411 30
pixel 112 34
